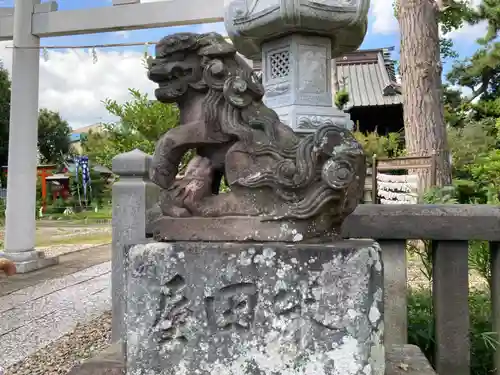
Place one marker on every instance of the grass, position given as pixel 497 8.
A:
pixel 420 311
pixel 86 216
pixel 483 341
pixel 91 239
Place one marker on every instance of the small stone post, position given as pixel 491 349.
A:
pixel 133 195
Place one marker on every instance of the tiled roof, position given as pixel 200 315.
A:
pixel 369 79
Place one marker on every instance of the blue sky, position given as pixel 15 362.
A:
pixel 73 84
pixel 375 39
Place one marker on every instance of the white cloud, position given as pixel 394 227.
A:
pixel 123 34
pixel 73 85
pixel 212 27
pixel 384 21
pixel 469 33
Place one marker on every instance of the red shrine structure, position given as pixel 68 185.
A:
pixel 55 179
pixel 43 171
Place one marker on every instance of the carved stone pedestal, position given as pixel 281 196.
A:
pixel 297 79
pixel 255 308
pixel 400 360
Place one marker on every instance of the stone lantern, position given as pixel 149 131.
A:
pixel 296 41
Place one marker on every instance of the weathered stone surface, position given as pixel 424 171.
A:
pixel 407 360
pixel 109 362
pixel 401 360
pixel 463 222
pixel 250 23
pixel 270 171
pixel 297 81
pixel 29 261
pixel 262 308
pixel 133 197
pixel 241 228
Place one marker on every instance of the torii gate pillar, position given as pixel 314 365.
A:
pixel 30 21
pixel 20 227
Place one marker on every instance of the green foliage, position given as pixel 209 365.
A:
pixel 98 195
pixel 452 17
pixel 489 108
pixel 53 136
pixel 444 195
pixel 103 215
pixel 341 98
pixel 455 109
pixel 391 145
pixel 4 114
pixel 455 14
pixel 481 72
pixel 140 124
pixel 420 312
pixel 486 170
pixel 479 253
pixel 446 48
pixel 3 208
pixel 476 160
pixel 488 10
pixel 469 143
pixel 53 131
pixel 483 342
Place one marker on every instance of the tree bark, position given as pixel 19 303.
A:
pixel 425 127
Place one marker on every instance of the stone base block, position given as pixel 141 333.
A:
pixel 400 360
pixel 30 260
pixel 255 308
pixel 108 362
pixel 243 228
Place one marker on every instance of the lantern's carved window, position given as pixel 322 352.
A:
pixel 280 64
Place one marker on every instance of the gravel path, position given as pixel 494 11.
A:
pixel 34 317
pixel 53 251
pixel 70 337
pixel 417 280
pixel 86 341
pixel 84 231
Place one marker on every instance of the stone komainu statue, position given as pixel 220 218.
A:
pixel 271 172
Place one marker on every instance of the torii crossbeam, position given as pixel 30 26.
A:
pixel 25 24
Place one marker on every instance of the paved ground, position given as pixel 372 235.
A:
pixel 68 263
pixel 40 307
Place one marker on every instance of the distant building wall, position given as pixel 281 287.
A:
pixel 77 135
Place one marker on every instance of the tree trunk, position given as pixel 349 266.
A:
pixel 425 128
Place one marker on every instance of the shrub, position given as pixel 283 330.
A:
pixel 483 342
pixel 476 160
pixel 3 208
pixel 420 315
pixel 391 145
